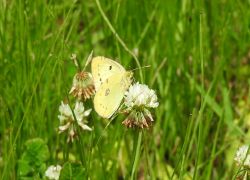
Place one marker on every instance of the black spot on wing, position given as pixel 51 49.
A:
pixel 110 67
pixel 101 80
pixel 104 107
pixel 107 92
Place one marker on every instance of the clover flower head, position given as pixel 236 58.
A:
pixel 138 99
pixel 140 95
pixel 242 156
pixel 67 119
pixel 83 86
pixel 53 172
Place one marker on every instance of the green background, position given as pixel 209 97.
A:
pixel 199 57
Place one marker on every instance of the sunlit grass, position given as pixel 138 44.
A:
pixel 199 57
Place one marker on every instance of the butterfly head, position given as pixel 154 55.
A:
pixel 129 74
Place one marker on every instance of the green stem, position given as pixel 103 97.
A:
pixel 200 116
pixel 137 155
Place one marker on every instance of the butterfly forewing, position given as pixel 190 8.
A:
pixel 102 68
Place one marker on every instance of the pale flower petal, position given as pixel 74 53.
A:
pixel 65 109
pixel 53 172
pixel 140 95
pixel 64 127
pixel 243 156
pixel 73 88
pixel 85 127
pixel 61 118
pixel 86 113
pixel 67 119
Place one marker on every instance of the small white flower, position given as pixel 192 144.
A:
pixel 243 155
pixel 140 95
pixel 67 119
pixel 137 100
pixel 53 172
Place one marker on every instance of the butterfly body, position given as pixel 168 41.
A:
pixel 111 82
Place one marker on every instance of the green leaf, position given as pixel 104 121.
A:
pixel 36 152
pixel 32 162
pixel 72 171
pixel 24 168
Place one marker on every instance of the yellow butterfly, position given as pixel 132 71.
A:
pixel 111 81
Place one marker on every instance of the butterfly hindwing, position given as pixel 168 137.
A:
pixel 109 96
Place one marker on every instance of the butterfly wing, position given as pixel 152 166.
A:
pixel 102 68
pixel 110 94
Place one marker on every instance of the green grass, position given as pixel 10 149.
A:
pixel 199 57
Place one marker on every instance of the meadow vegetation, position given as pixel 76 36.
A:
pixel 199 58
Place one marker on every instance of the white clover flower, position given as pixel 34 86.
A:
pixel 83 86
pixel 140 95
pixel 67 119
pixel 138 99
pixel 243 156
pixel 53 172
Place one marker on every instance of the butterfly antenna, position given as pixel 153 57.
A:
pixel 141 68
pixel 88 60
